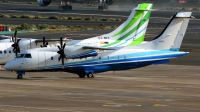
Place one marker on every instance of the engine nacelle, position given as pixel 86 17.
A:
pixel 44 2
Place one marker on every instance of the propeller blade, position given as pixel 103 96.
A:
pixel 43 41
pixel 15 52
pixel 59 58
pixel 15 35
pixel 18 41
pixel 64 46
pixel 62 62
pixel 61 42
pixel 59 47
pixel 12 38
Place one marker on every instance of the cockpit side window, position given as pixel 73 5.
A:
pixel 20 56
pixel 27 56
pixel 0 51
pixel 5 51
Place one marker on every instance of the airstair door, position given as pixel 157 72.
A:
pixel 41 59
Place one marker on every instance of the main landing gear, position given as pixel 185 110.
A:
pixel 89 75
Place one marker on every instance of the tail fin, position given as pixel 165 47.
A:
pixel 133 30
pixel 172 36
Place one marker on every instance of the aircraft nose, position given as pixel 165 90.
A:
pixel 6 66
pixel 9 65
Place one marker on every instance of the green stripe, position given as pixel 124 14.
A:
pixel 137 41
pixel 146 18
pixel 135 18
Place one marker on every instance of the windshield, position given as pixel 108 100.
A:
pixel 20 56
pixel 27 56
pixel 23 56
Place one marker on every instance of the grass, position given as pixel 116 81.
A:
pixel 92 18
pixel 48 27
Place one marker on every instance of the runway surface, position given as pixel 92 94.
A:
pixel 166 88
pixel 173 87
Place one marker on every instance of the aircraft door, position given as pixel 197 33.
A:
pixel 41 59
pixel 49 58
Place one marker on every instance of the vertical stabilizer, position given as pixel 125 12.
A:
pixel 172 36
pixel 133 30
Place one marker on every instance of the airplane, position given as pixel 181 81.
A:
pixel 131 32
pixel 11 46
pixel 48 2
pixel 158 51
pixel 103 4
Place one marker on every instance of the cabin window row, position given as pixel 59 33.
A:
pixel 5 51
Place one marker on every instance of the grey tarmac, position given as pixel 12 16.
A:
pixel 166 88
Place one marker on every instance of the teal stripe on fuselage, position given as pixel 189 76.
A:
pixel 134 56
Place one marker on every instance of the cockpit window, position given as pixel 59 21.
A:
pixel 20 56
pixel 0 51
pixel 27 56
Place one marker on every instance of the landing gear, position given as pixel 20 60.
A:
pixel 90 75
pixel 81 75
pixel 19 76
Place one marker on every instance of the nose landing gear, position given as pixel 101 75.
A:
pixel 20 74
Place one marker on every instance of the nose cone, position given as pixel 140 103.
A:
pixel 8 66
pixel 11 65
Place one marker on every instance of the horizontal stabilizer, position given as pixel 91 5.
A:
pixel 183 15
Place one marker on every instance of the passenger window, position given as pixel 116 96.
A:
pixel 27 56
pixel 51 58
pixel 5 51
pixel 9 51
pixel 20 56
pixel 0 51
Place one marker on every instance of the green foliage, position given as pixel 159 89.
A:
pixel 42 26
pixel 27 16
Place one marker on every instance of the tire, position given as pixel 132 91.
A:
pixel 81 75
pixel 19 76
pixel 90 75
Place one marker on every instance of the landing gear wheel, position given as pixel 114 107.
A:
pixel 19 76
pixel 90 75
pixel 81 75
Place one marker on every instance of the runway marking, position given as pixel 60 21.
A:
pixel 13 106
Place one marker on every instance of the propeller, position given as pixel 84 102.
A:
pixel 61 52
pixel 15 45
pixel 44 45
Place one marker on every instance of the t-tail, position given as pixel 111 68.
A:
pixel 132 31
pixel 171 37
